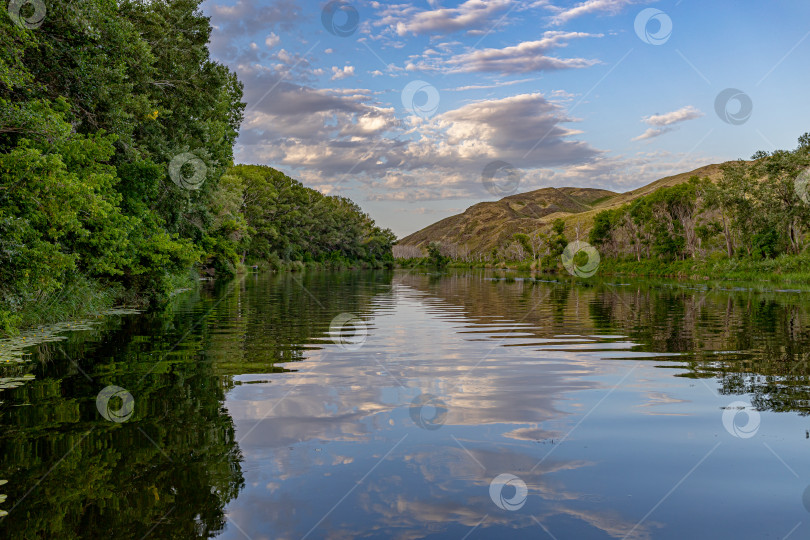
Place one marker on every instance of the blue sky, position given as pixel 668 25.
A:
pixel 402 106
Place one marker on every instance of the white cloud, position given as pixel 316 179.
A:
pixel 343 138
pixel 405 19
pixel 526 57
pixel 590 6
pixel 345 72
pixel 525 130
pixel 652 133
pixel 681 115
pixel 272 40
pixel 285 56
pixel 664 123
pixel 327 134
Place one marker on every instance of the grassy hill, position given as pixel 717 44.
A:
pixel 490 224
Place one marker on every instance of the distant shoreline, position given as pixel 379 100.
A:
pixel 792 270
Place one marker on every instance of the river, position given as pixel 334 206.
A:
pixel 409 405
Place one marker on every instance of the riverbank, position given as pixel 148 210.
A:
pixel 84 297
pixel 80 298
pixel 784 270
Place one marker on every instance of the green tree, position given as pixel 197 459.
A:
pixel 435 257
pixel 782 207
pixel 557 240
pixel 525 242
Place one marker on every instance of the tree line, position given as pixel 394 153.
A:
pixel 758 209
pixel 264 215
pixel 95 105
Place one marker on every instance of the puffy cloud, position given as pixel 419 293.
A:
pixel 345 72
pixel 526 129
pixel 320 133
pixel 285 109
pixel 342 137
pixel 331 134
pixel 272 40
pixel 236 39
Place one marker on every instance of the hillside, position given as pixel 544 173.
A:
pixel 490 224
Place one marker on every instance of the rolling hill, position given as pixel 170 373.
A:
pixel 491 224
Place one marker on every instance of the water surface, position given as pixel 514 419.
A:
pixel 446 406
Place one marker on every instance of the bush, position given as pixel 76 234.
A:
pixel 275 262
pixel 435 257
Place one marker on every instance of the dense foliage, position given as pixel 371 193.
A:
pixel 94 105
pixel 758 209
pixel 260 214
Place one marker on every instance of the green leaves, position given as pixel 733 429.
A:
pixel 94 106
pixel 759 209
pixel 269 214
pixel 87 129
